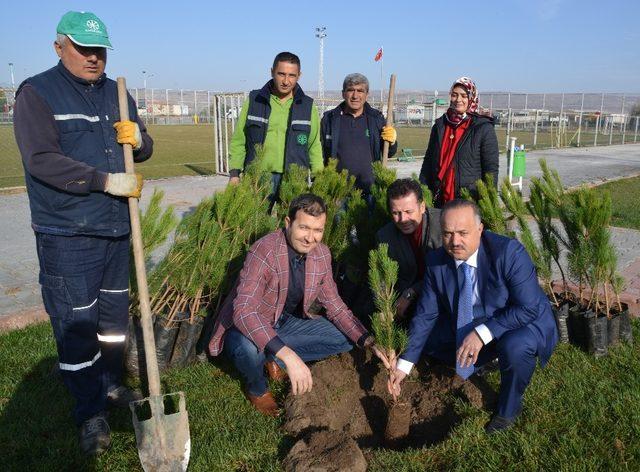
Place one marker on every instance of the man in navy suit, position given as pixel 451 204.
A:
pixel 481 300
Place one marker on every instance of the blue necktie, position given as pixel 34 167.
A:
pixel 465 316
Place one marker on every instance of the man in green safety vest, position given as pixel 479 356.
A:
pixel 283 120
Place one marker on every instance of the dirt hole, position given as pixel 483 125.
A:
pixel 349 401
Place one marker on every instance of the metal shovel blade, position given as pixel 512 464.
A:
pixel 163 439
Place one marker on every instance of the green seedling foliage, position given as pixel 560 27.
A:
pixel 465 194
pixel 335 188
pixel 366 222
pixel 211 243
pixel 618 284
pixel 490 207
pixel 383 275
pixel 585 215
pixel 427 196
pixel 155 226
pixel 383 178
pixel 541 209
pixel 514 203
pixel 294 182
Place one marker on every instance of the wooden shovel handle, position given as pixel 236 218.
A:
pixel 153 373
pixel 392 90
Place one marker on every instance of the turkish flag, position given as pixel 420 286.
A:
pixel 378 55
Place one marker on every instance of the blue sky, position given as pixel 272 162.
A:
pixel 519 45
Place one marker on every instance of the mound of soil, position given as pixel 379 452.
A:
pixel 350 399
pixel 325 451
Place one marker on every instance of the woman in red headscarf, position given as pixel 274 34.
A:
pixel 463 146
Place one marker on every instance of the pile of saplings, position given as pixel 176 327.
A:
pixel 576 223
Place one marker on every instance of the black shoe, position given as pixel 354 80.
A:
pixel 121 396
pixel 499 423
pixel 95 435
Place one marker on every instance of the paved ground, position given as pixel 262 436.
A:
pixel 20 301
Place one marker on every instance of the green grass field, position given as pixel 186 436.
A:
pixel 625 195
pixel 189 149
pixel 580 414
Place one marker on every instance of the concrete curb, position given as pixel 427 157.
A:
pixel 23 318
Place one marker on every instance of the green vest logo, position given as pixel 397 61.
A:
pixel 302 139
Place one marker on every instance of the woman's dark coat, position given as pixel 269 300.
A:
pixel 475 157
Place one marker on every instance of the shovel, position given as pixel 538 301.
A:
pixel 163 439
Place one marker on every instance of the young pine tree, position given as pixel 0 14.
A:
pixel 383 274
pixel 155 225
pixel 541 258
pixel 491 208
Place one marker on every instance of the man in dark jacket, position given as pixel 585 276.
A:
pixel 67 130
pixel 354 133
pixel 476 156
pixel 414 231
pixel 481 300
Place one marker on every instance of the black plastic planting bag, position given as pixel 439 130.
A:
pixel 613 329
pixel 626 335
pixel 596 334
pixel 576 325
pixel 134 361
pixel 184 350
pixel 165 334
pixel 561 314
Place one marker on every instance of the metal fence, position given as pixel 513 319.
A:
pixel 536 120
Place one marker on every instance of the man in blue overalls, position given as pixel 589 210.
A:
pixel 66 127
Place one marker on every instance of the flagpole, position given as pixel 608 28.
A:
pixel 382 78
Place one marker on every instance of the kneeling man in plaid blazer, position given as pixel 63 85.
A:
pixel 266 321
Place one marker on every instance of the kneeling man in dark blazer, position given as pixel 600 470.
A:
pixel 412 233
pixel 481 300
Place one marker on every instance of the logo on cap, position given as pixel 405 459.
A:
pixel 93 25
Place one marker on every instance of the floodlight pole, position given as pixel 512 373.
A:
pixel 321 34
pixel 13 82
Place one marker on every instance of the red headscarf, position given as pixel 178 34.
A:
pixel 473 108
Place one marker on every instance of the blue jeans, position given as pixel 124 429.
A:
pixel 311 339
pixel 276 180
pixel 85 290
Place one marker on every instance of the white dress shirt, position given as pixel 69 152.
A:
pixel 482 330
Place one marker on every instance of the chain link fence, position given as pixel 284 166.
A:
pixel 537 121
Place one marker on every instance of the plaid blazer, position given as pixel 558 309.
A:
pixel 258 297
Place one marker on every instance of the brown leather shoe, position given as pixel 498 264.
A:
pixel 275 372
pixel 265 403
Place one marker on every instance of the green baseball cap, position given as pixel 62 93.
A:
pixel 85 29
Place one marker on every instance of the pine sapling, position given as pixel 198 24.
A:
pixel 335 188
pixel 294 182
pixel 155 224
pixel 541 258
pixel 491 208
pixel 541 209
pixel 383 275
pixel 617 283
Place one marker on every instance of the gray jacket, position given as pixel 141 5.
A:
pixel 401 252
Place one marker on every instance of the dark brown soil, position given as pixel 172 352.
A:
pixel 398 423
pixel 350 398
pixel 325 451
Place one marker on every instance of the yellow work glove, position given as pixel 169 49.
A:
pixel 389 134
pixel 128 132
pixel 124 185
